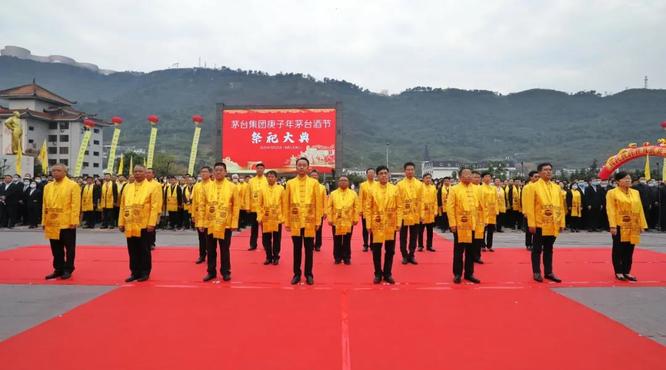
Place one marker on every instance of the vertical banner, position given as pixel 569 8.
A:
pixel 197 120
pixel 121 165
pixel 89 124
pixel 44 158
pixel 647 171
pixel 117 121
pixel 131 167
pixel 153 119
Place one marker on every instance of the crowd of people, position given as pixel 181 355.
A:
pixel 214 204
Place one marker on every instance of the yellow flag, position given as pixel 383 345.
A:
pixel 131 164
pixel 647 168
pixel 44 159
pixel 121 165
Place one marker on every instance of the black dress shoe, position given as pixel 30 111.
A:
pixel 420 249
pixel 309 280
pixel 479 261
pixel 431 249
pixel 276 261
pixel 537 277
pixel 457 279
pixel 226 277
pixel 143 278
pixel 405 260
pixel 491 250
pixel 66 275
pixel 620 277
pixel 296 279
pixel 365 248
pixel 412 260
pixel 268 261
pixel 347 262
pixel 389 279
pixel 252 248
pixel 200 260
pixel 317 249
pixel 473 279
pixel 337 262
pixel 209 277
pixel 377 280
pixel 53 275
pixel 552 277
pixel 130 279
pixel 630 277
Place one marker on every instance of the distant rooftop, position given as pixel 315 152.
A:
pixel 23 53
pixel 34 91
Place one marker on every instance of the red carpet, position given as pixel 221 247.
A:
pixel 259 321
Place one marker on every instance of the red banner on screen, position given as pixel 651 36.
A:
pixel 277 138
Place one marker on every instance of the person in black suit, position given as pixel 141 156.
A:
pixel 593 199
pixel 11 193
pixel 644 191
pixel 33 205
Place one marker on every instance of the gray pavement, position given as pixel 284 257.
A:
pixel 24 306
pixel 641 309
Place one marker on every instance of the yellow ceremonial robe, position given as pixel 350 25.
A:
pixel 428 204
pixel 255 185
pixel 87 203
pixel 516 199
pixel 61 207
pixel 626 211
pixel 576 203
pixel 501 199
pixel 364 192
pixel 342 209
pixel 383 212
pixel 543 207
pixel 270 214
pixel 302 205
pixel 187 198
pixel 411 191
pixel 444 196
pixel 222 206
pixel 490 203
pixel 480 226
pixel 139 207
pixel 198 207
pixel 243 194
pixel 462 207
pixel 160 197
pixel 107 195
pixel 171 198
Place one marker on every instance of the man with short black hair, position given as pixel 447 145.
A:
pixel 411 190
pixel 363 194
pixel 462 207
pixel 525 191
pixel 255 187
pixel 322 195
pixel 198 211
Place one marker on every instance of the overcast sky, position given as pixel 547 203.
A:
pixel 503 46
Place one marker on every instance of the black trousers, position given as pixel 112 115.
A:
pixel 34 215
pixel 424 227
pixel 108 217
pixel 174 219
pixel 317 242
pixel 413 236
pixel 254 228
pixel 477 245
pixel 203 240
pixel 529 237
pixel 367 239
pixel 272 243
pixel 342 245
pixel 89 218
pixel 187 219
pixel 458 250
pixel 545 244
pixel 499 221
pixel 299 240
pixel 490 230
pixel 594 218
pixel 389 252
pixel 511 219
pixel 225 255
pixel 622 253
pixel 64 251
pixel 140 260
pixel 445 222
pixel 116 213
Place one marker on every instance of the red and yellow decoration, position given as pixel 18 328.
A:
pixel 117 121
pixel 197 119
pixel 89 125
pixel 153 119
pixel 631 152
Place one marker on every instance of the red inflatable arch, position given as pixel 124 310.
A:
pixel 631 152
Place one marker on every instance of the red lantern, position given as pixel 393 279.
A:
pixel 197 119
pixel 153 119
pixel 647 143
pixel 88 123
pixel 663 125
pixel 116 120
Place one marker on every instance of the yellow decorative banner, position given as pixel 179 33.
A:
pixel 121 165
pixel 112 150
pixel 82 152
pixel 193 151
pixel 44 158
pixel 151 146
pixel 131 169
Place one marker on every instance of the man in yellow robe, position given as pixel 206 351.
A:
pixel 364 191
pixel 174 203
pixel 89 201
pixel 501 202
pixel 303 209
pixel 255 187
pixel 524 192
pixel 198 212
pixel 490 209
pixel 150 179
pixel 462 207
pixel 383 211
pixel 139 208
pixel 411 190
pixel 243 193
pixel 322 194
pixel 545 213
pixel 222 207
pixel 108 202
pixel 120 185
pixel 428 212
pixel 271 217
pixel 342 212
pixel 443 194
pixel 575 207
pixel 61 209
pixel 480 228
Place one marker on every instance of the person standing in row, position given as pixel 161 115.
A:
pixel 222 205
pixel 480 226
pixel 411 190
pixel 626 219
pixel 322 195
pixel 304 210
pixel 198 212
pixel 255 187
pixel 544 210
pixel 60 217
pixel 139 209
pixel 365 189
pixel 343 211
pixel 152 233
pixel 173 198
pixel 271 217
pixel 490 209
pixel 383 211
pixel 462 209
pixel 122 182
pixel 243 189
pixel 525 192
pixel 574 200
pixel 428 212
pixel 501 202
pixel 443 195
pixel 89 201
pixel 108 202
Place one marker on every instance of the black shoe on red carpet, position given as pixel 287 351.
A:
pixel 552 277
pixel 53 275
pixel 143 278
pixel 309 280
pixel 209 277
pixel 537 277
pixel 457 279
pixel 66 275
pixel 296 279
pixel 472 279
pixel 377 279
pixel 389 279
pixel 226 277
